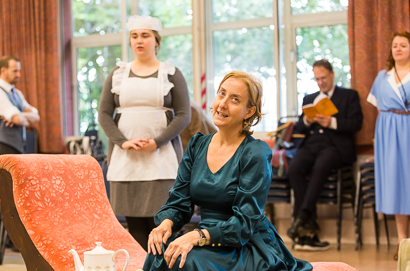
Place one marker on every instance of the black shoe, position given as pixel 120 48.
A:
pixel 301 228
pixel 293 231
pixel 300 243
pixel 313 244
pixel 309 228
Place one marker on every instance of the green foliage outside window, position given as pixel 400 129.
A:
pixel 233 10
pixel 315 43
pixel 172 13
pixel 93 67
pixel 178 48
pixel 249 50
pixel 315 6
pixel 96 16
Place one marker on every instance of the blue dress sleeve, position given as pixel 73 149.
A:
pixel 372 97
pixel 250 199
pixel 179 207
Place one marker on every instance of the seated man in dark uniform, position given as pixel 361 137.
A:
pixel 329 144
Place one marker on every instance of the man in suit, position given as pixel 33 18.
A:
pixel 329 144
pixel 15 112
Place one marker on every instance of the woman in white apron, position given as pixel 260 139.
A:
pixel 150 104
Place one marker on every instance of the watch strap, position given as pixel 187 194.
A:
pixel 201 233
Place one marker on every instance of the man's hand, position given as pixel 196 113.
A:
pixel 322 120
pixel 6 122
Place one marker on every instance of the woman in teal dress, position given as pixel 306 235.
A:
pixel 227 174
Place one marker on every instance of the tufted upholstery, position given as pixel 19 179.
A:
pixel 62 204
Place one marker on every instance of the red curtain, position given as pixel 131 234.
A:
pixel 30 31
pixel 371 24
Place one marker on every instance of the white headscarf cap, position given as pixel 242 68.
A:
pixel 144 22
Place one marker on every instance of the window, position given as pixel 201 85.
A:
pixel 88 19
pixel 241 37
pixel 314 43
pixel 176 17
pixel 277 41
pixel 312 30
pixel 97 45
pixel 93 66
pixel 316 6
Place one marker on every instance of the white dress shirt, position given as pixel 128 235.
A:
pixel 333 121
pixel 7 108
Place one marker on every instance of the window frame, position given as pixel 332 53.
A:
pixel 238 24
pixel 110 39
pixel 292 22
pixel 202 29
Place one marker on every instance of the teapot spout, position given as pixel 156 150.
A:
pixel 78 265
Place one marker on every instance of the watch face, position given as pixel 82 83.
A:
pixel 201 242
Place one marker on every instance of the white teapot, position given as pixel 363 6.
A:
pixel 98 259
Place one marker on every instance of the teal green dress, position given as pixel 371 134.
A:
pixel 232 201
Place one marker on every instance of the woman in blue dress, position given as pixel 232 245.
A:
pixel 391 95
pixel 227 174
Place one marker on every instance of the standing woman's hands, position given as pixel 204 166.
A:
pixel 134 144
pixel 150 145
pixel 159 236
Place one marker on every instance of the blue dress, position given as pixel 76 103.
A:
pixel 392 144
pixel 232 201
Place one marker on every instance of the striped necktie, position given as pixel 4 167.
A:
pixel 13 93
pixel 20 106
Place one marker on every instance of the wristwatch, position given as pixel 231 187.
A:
pixel 202 241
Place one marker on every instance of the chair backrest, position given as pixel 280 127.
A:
pixel 62 203
pixel 31 140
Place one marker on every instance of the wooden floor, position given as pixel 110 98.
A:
pixel 368 258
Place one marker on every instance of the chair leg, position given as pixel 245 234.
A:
pixel 339 207
pixel 3 236
pixel 387 230
pixel 359 220
pixel 376 224
pixel 356 210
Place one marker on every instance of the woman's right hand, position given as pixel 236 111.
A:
pixel 134 144
pixel 159 236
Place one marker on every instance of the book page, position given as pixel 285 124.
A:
pixel 321 105
pixel 310 111
pixel 326 107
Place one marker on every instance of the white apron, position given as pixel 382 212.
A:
pixel 143 115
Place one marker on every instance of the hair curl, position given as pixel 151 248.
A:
pixel 390 62
pixel 255 91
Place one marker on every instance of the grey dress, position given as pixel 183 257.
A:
pixel 144 198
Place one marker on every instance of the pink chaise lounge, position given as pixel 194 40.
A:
pixel 53 203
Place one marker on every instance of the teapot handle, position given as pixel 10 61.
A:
pixel 126 253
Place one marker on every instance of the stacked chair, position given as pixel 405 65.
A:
pixel 339 189
pixel 365 198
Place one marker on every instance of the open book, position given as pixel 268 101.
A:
pixel 321 105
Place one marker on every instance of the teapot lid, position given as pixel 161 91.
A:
pixel 99 250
